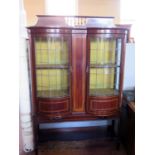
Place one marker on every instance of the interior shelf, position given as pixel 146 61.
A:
pixel 103 92
pixel 52 66
pixel 109 65
pixel 52 93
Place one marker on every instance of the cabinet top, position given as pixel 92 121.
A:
pixel 73 21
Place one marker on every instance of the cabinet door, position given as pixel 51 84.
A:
pixel 103 73
pixel 52 73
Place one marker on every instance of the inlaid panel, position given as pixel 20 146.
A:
pixel 54 106
pixel 79 72
pixel 103 106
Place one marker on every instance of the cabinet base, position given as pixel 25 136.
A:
pixel 75 117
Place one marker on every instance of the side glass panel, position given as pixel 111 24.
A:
pixel 52 66
pixel 104 66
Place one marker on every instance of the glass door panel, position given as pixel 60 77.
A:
pixel 102 51
pixel 52 83
pixel 102 81
pixel 51 51
pixel 104 67
pixel 52 66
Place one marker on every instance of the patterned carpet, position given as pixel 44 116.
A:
pixel 82 147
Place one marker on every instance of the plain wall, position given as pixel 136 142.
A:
pixel 33 8
pixel 100 8
pixel 129 70
pixel 85 7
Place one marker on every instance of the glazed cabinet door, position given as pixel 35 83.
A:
pixel 52 77
pixel 104 83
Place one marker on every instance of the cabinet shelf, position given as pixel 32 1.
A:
pixel 53 66
pixel 104 65
pixel 103 92
pixel 52 93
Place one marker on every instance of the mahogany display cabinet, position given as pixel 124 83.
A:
pixel 76 68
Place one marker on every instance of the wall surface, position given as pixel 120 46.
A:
pixel 100 8
pixel 129 71
pixel 33 8
pixel 85 7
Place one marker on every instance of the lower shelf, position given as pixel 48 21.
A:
pixel 103 92
pixel 79 133
pixel 53 93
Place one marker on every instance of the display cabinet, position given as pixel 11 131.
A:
pixel 76 68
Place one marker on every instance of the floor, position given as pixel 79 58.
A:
pixel 78 143
pixel 83 147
